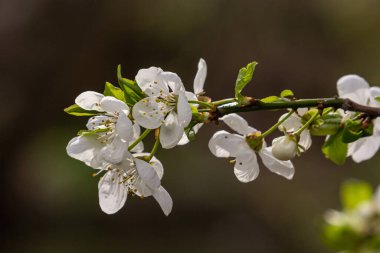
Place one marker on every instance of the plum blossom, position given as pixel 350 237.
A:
pixel 225 144
pixel 284 147
pixel 198 85
pixel 166 105
pixel 357 89
pixel 108 134
pixel 132 176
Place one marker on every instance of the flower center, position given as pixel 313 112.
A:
pixel 255 141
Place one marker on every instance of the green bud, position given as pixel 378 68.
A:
pixel 327 124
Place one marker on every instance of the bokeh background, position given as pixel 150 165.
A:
pixel 51 50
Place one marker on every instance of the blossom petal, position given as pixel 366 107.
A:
pixel 113 105
pixel 183 110
pixel 147 174
pixel 150 81
pixel 164 200
pixel 98 121
pixel 112 194
pixel 170 131
pixel 291 124
pixel 353 87
pixel 90 100
pixel 283 168
pixel 365 148
pixel 200 77
pixel 83 148
pixel 115 151
pixel 305 139
pixel 154 162
pixel 224 144
pixel 173 81
pixel 136 134
pixel 124 126
pixel 191 96
pixel 184 140
pixel 374 92
pixel 246 168
pixel 237 123
pixel 148 113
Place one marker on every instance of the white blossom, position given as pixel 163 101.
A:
pixel 225 144
pixel 166 105
pixel 109 133
pixel 133 176
pixel 198 85
pixel 357 89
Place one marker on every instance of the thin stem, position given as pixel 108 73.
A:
pixel 154 149
pixel 141 137
pixel 275 126
pixel 205 104
pixel 224 101
pixel 306 125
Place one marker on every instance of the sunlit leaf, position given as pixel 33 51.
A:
pixel 76 110
pixel 244 77
pixel 286 93
pixel 355 192
pixel 335 149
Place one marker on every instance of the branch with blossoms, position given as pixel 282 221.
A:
pixel 156 101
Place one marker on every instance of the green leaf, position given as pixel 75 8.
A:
pixel 270 99
pixel 377 99
pixel 110 90
pixel 335 149
pixel 327 124
pixel 286 93
pixel 244 77
pixel 129 86
pixel 76 110
pixel 355 192
pixel 340 237
pixel 353 130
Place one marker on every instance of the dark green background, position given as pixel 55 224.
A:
pixel 52 50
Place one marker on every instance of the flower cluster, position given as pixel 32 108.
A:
pixel 157 101
pixel 357 227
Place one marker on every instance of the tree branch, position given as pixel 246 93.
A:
pixel 321 103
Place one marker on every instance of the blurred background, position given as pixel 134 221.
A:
pixel 52 50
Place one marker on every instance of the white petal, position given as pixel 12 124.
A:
pixel 147 174
pixel 291 124
pixel 353 87
pixel 237 123
pixel 113 105
pixel 200 77
pixel 184 140
pixel 224 144
pixel 374 92
pixel 112 194
pixel 124 126
pixel 148 113
pixel 115 151
pixel 173 81
pixel 171 131
pixel 98 121
pixel 89 100
pixel 156 164
pixel 164 200
pixel 136 134
pixel 283 168
pixel 83 148
pixel 191 96
pixel 183 110
pixel 150 81
pixel 366 148
pixel 305 140
pixel 246 168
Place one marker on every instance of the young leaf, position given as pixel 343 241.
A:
pixel 127 84
pixel 76 110
pixel 110 90
pixel 92 132
pixel 377 99
pixel 270 99
pixel 244 77
pixel 335 149
pixel 355 192
pixel 286 93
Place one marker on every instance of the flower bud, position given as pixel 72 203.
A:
pixel 284 148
